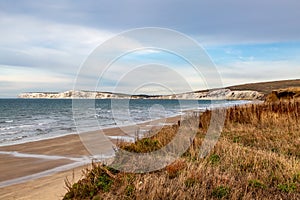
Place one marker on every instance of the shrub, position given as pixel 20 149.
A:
pixel 221 192
pixel 104 182
pixel 214 159
pixel 129 191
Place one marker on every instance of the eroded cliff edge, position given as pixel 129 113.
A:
pixel 212 95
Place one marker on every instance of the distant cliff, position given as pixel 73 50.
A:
pixel 212 95
pixel 250 91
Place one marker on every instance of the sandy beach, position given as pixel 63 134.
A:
pixel 38 169
pixel 48 188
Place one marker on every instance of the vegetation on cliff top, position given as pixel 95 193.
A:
pixel 267 87
pixel 287 94
pixel 256 157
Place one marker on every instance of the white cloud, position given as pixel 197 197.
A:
pixel 52 45
pixel 29 75
pixel 16 79
pixel 45 44
pixel 258 71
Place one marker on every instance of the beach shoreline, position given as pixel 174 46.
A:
pixel 50 161
pixel 49 187
pixel 37 160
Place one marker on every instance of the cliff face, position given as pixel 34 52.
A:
pixel 211 95
pixel 70 94
pixel 234 95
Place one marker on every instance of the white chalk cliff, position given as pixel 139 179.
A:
pixel 211 95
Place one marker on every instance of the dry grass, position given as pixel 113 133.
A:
pixel 256 157
pixel 287 94
pixel 267 87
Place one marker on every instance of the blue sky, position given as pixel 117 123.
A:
pixel 44 43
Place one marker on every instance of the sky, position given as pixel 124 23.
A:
pixel 45 44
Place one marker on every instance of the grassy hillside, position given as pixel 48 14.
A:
pixel 286 94
pixel 267 87
pixel 256 157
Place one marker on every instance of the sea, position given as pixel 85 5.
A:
pixel 25 120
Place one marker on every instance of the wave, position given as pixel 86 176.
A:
pixel 41 121
pixel 6 121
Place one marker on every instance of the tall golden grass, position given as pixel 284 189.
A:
pixel 256 157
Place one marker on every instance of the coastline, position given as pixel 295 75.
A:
pixel 51 158
pixel 47 127
pixel 46 163
pixel 254 158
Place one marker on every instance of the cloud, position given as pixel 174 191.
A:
pixel 258 71
pixel 228 21
pixel 129 66
pixel 14 74
pixel 32 42
pixel 153 78
pixel 16 79
pixel 47 41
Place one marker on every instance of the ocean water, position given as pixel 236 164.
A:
pixel 24 120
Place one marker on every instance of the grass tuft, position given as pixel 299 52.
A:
pixel 288 187
pixel 214 159
pixel 221 192
pixel 256 184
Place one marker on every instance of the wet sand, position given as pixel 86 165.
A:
pixel 47 188
pixel 37 170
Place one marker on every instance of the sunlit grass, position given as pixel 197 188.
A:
pixel 256 157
